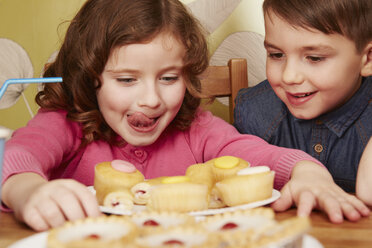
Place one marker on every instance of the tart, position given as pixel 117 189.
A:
pixel 190 237
pixel 147 221
pixel 103 231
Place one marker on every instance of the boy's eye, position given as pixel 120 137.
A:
pixel 276 55
pixel 315 58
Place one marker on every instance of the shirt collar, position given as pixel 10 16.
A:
pixel 339 120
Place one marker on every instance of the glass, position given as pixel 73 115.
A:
pixel 4 133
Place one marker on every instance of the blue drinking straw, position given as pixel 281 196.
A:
pixel 2 91
pixel 28 81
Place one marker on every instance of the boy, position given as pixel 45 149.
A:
pixel 318 92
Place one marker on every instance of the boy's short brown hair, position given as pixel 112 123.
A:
pixel 350 18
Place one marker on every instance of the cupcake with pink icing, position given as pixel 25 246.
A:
pixel 113 181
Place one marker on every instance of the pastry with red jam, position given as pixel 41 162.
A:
pixel 149 220
pixel 103 231
pixel 180 237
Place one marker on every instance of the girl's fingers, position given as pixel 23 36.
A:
pixel 33 219
pixel 68 203
pixel 87 200
pixel 306 203
pixel 51 212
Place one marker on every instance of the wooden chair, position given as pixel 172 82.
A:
pixel 226 80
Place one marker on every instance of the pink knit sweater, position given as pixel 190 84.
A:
pixel 49 146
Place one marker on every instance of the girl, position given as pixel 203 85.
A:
pixel 131 91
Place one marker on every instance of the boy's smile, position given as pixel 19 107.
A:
pixel 299 98
pixel 143 88
pixel 311 72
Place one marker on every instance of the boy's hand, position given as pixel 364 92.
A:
pixel 312 186
pixel 43 205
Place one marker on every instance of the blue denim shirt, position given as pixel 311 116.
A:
pixel 337 138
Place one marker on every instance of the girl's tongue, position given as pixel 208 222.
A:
pixel 139 119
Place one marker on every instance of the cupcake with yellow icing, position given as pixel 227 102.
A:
pixel 248 185
pixel 115 176
pixel 178 194
pixel 226 166
pixel 201 173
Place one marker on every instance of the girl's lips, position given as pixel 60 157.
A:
pixel 141 123
pixel 300 98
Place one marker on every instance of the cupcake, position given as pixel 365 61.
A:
pixel 178 194
pixel 226 166
pixel 202 174
pixel 248 185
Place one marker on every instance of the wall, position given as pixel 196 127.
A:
pixel 39 25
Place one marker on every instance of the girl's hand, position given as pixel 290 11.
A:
pixel 312 187
pixel 49 204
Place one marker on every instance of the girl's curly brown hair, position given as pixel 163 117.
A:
pixel 98 28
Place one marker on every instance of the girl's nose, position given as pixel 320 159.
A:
pixel 292 73
pixel 149 97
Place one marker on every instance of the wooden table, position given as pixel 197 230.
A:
pixel 347 234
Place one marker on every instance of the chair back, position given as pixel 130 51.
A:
pixel 227 80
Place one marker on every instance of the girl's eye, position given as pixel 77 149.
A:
pixel 125 80
pixel 315 58
pixel 276 55
pixel 169 78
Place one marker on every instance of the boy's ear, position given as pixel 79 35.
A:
pixel 366 69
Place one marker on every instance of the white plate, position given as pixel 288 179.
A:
pixel 138 208
pixel 39 240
